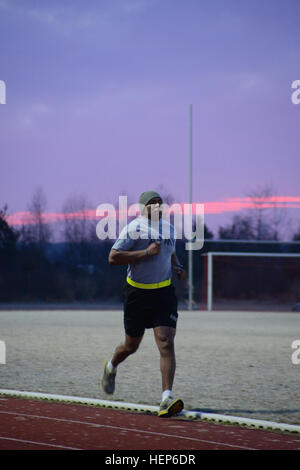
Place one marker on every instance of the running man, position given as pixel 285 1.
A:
pixel 150 300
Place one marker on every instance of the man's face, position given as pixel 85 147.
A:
pixel 153 208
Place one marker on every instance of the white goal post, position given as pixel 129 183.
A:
pixel 210 256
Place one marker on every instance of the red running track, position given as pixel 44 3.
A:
pixel 31 424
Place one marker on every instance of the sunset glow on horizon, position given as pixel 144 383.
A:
pixel 210 207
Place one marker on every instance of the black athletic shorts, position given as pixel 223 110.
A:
pixel 148 308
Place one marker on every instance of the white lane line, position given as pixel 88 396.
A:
pixel 56 446
pixel 120 428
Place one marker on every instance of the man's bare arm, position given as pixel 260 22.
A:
pixel 175 261
pixel 181 274
pixel 119 258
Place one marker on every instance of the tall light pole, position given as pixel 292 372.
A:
pixel 190 260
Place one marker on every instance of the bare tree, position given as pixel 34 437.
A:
pixel 38 231
pixel 265 220
pixel 79 230
pixel 266 217
pixel 241 228
pixel 77 225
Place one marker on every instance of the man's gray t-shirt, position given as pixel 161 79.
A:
pixel 138 235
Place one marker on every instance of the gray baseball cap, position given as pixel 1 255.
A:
pixel 146 196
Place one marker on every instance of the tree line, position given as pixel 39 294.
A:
pixel 35 268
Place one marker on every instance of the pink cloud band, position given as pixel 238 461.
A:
pixel 214 207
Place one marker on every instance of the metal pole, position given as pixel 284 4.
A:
pixel 209 281
pixel 191 201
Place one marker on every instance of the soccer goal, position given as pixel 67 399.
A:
pixel 247 275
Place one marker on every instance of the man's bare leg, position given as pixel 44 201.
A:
pixel 124 350
pixel 164 337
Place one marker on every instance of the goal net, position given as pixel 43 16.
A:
pixel 245 280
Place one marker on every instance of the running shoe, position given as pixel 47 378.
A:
pixel 108 379
pixel 170 407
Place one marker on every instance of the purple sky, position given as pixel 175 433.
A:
pixel 98 96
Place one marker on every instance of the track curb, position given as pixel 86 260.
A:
pixel 149 409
